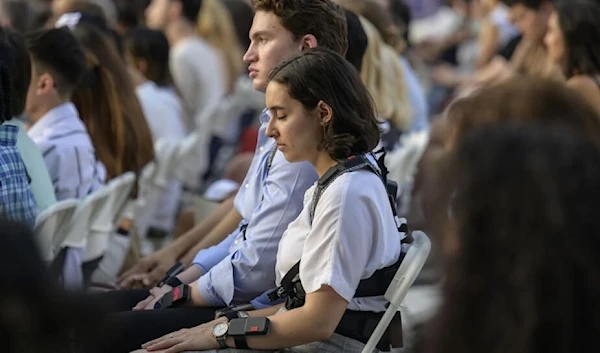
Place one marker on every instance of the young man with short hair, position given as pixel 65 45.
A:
pixel 58 63
pixel 242 267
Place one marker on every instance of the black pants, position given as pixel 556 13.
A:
pixel 127 330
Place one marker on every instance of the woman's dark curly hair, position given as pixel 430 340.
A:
pixel 580 25
pixel 320 74
pixel 526 275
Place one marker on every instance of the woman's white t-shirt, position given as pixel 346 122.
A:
pixel 353 234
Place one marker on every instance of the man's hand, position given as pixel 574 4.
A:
pixel 149 270
pixel 156 294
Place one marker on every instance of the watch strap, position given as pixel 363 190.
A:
pixel 222 340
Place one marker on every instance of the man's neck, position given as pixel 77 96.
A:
pixel 179 30
pixel 42 111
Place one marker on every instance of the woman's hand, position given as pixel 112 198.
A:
pixel 199 338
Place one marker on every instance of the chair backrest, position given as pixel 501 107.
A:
pixel 104 224
pixel 402 162
pixel 51 222
pixel 78 230
pixel 406 275
pixel 192 158
pixel 148 198
pixel 409 270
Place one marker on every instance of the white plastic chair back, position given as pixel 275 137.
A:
pixel 103 226
pixel 402 162
pixel 51 222
pixel 78 230
pixel 405 276
pixel 192 158
pixel 154 181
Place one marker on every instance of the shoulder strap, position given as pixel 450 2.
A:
pixel 343 167
pixel 272 154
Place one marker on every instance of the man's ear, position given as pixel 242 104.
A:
pixel 45 83
pixel 309 41
pixel 325 113
pixel 547 7
pixel 174 10
pixel 141 65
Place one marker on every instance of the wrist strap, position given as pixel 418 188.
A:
pixel 240 342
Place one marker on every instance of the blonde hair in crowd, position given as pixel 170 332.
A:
pixel 216 26
pixel 382 73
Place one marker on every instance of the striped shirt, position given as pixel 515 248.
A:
pixel 68 153
pixel 16 198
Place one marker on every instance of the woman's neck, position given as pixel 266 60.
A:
pixel 322 162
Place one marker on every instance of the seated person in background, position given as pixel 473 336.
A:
pixel 58 63
pixel 524 188
pixel 321 112
pixel 530 56
pixel 20 72
pixel 573 42
pixel 147 50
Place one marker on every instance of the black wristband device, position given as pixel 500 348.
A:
pixel 239 329
pixel 176 297
pixel 233 312
pixel 172 274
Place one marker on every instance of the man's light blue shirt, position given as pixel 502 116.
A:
pixel 238 270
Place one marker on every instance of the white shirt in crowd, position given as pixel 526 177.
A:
pixel 198 74
pixel 353 234
pixel 163 110
pixel 165 116
pixel 68 153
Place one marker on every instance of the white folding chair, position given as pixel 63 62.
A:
pixel 103 226
pixel 51 222
pixel 75 237
pixel 154 181
pixel 78 230
pixel 405 276
pixel 402 162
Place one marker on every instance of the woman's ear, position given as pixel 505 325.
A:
pixel 325 113
pixel 309 41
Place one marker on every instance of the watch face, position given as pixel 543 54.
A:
pixel 220 329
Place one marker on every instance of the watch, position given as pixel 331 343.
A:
pixel 219 331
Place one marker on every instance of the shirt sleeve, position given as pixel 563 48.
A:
pixel 341 242
pixel 249 271
pixel 208 258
